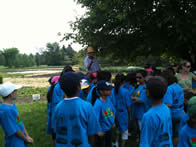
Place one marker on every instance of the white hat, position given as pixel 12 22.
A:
pixel 7 88
pixel 84 84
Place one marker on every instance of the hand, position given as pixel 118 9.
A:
pixel 100 133
pixel 29 140
pixel 114 125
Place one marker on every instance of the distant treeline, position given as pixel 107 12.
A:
pixel 52 55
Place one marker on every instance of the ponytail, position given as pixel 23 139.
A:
pixel 119 80
pixel 50 93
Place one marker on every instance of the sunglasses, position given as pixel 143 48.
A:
pixel 188 66
pixel 138 77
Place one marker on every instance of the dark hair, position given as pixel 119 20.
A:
pixel 50 92
pixel 142 72
pixel 69 83
pixel 50 80
pixel 131 78
pixel 169 77
pixel 156 87
pixel 95 96
pixel 119 80
pixel 67 68
pixel 104 75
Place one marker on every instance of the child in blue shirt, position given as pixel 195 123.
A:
pixel 15 132
pixel 105 113
pixel 49 129
pixel 123 103
pixel 174 99
pixel 130 83
pixel 187 136
pixel 141 102
pixel 84 89
pixel 156 128
pixel 74 119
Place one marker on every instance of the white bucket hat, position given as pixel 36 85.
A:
pixel 7 88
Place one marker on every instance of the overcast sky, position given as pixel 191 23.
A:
pixel 29 24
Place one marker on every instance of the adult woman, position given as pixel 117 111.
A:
pixel 185 77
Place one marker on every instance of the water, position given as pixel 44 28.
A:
pixel 35 71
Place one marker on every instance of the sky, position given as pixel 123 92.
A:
pixel 30 24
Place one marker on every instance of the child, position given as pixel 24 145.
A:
pixel 49 129
pixel 187 137
pixel 174 99
pixel 84 89
pixel 74 119
pixel 156 128
pixel 105 114
pixel 15 132
pixel 141 102
pixel 123 103
pixel 130 83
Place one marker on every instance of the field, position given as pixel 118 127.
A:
pixel 32 113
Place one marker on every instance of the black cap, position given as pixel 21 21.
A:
pixel 104 85
pixel 69 81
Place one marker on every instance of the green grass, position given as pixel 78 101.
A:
pixel 28 92
pixel 34 118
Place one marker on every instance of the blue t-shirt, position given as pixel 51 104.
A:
pixel 175 97
pixel 74 121
pixel 187 137
pixel 184 120
pixel 83 95
pixel 138 110
pixel 156 129
pixel 11 122
pixel 129 87
pixel 123 101
pixel 58 95
pixel 105 113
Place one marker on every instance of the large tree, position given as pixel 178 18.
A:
pixel 128 28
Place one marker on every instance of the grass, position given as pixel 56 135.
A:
pixel 27 92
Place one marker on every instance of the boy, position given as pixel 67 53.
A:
pixel 15 132
pixel 187 136
pixel 74 118
pixel 156 128
pixel 105 114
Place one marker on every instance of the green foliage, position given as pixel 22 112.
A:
pixel 128 28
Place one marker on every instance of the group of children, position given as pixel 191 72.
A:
pixel 83 109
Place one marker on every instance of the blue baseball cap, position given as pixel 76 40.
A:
pixel 104 85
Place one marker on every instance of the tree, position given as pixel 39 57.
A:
pixel 128 28
pixel 10 56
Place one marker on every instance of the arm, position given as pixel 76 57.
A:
pixel 22 136
pixel 27 136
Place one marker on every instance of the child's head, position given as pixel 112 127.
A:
pixel 119 80
pixel 85 85
pixel 131 78
pixel 156 88
pixel 70 83
pixel 9 90
pixel 169 77
pixel 104 88
pixel 140 76
pixel 104 75
pixel 192 109
pixel 67 68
